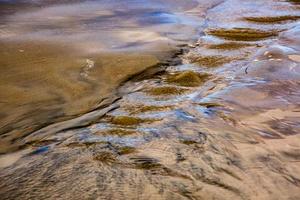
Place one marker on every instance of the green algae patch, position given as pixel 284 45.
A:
pixel 272 20
pixel 188 78
pixel 212 61
pixel 166 90
pixel 143 109
pixel 242 34
pixel 229 46
pixel 126 150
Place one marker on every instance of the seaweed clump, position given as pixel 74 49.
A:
pixel 165 90
pixel 242 34
pixel 212 61
pixel 271 20
pixel 188 78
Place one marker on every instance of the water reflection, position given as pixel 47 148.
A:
pixel 219 120
pixel 61 59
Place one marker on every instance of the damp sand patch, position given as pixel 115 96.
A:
pixel 118 132
pixel 55 82
pixel 105 157
pixel 242 34
pixel 145 109
pixel 211 61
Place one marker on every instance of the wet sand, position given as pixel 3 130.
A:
pixel 63 59
pixel 214 114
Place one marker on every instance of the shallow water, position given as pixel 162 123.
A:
pixel 205 106
pixel 62 59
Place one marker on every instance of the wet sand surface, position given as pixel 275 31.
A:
pixel 150 100
pixel 61 59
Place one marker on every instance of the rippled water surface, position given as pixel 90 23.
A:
pixel 61 59
pixel 150 99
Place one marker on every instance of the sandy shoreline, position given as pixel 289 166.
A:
pixel 215 119
pixel 60 60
